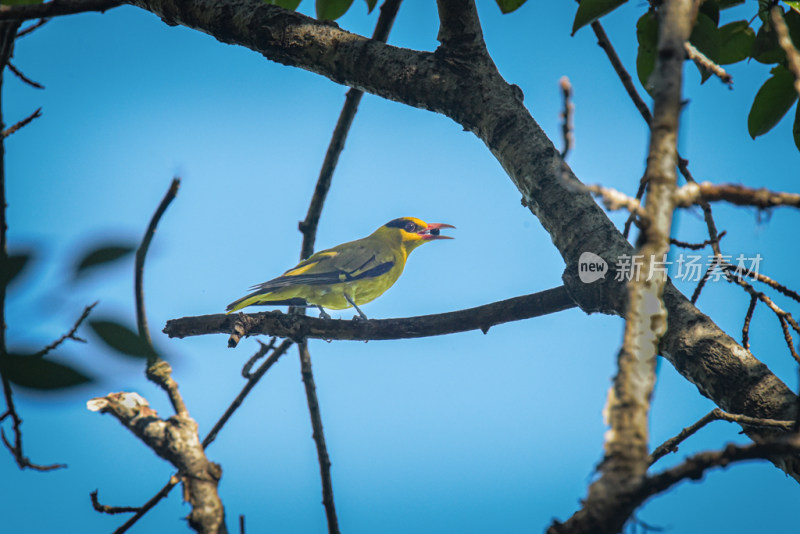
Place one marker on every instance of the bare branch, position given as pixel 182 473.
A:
pixel 319 438
pixel 54 9
pixel 614 200
pixel 8 33
pixel 146 507
pixel 739 195
pixel 622 72
pixel 703 61
pixel 23 462
pixel 111 510
pixel 566 115
pixel 785 42
pixel 696 246
pixel 21 124
pixel 32 28
pixel 671 445
pixel 293 327
pixel 22 77
pixel 141 253
pixel 158 371
pixel 695 466
pixel 252 380
pixel 175 440
pixel 68 335
pixel 747 318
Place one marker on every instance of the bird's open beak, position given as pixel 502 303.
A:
pixel 433 231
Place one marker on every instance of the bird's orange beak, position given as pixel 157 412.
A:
pixel 433 231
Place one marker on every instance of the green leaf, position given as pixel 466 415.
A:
pixel 20 2
pixel 507 6
pixel 16 263
pixel 705 37
pixel 796 128
pixel 40 373
pixel 332 9
pixel 772 102
pixel 371 5
pixel 792 19
pixel 121 338
pixel 710 9
pixel 102 255
pixel 591 10
pixel 735 42
pixel 291 5
pixel 794 4
pixel 763 10
pixel 647 35
pixel 766 48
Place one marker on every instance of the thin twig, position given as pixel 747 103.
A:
pixel 246 374
pixel 705 62
pixel 566 116
pixel 111 510
pixel 785 318
pixel 249 385
pixel 141 253
pixel 308 227
pixel 68 335
pixel 701 284
pixel 8 33
pixel 21 124
pixel 622 73
pixel 24 78
pixel 32 28
pixel 747 318
pixel 158 371
pixel 671 445
pixel 146 507
pixel 319 438
pixel 695 246
pixel 16 449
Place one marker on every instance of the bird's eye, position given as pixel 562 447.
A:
pixel 411 227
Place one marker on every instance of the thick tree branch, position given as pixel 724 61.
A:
pixel 175 440
pixel 302 327
pixel 628 406
pixel 482 102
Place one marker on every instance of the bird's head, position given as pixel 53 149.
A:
pixel 411 232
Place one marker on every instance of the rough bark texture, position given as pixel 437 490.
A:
pixel 299 327
pixel 470 91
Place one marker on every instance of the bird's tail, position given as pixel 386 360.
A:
pixel 262 299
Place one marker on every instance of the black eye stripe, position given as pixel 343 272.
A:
pixel 402 223
pixel 397 223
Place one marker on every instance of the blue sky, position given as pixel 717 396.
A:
pixel 469 432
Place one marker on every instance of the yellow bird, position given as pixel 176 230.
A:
pixel 349 274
